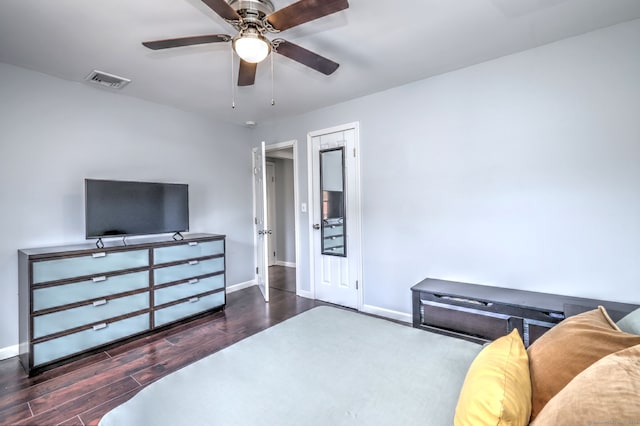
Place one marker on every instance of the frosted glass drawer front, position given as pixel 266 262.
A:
pixel 182 310
pixel 101 286
pixel 187 270
pixel 181 291
pixel 332 231
pixel 98 263
pixel 333 243
pixel 189 250
pixel 55 322
pixel 82 340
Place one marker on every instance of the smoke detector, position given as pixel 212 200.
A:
pixel 105 79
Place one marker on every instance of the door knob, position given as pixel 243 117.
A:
pixel 316 226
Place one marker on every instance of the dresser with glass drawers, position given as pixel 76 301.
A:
pixel 76 300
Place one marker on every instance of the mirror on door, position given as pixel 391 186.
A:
pixel 333 202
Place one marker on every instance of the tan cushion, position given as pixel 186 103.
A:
pixel 497 388
pixel 568 349
pixel 606 393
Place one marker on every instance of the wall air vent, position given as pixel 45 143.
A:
pixel 107 80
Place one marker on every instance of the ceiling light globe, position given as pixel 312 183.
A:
pixel 252 48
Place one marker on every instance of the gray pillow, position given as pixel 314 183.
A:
pixel 630 323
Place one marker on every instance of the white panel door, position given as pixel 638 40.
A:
pixel 260 220
pixel 336 239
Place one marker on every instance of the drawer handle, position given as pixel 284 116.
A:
pixel 100 302
pixel 193 281
pixel 193 243
pixel 101 254
pixel 99 279
pixel 99 326
pixel 193 262
pixel 194 299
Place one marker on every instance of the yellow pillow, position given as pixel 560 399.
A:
pixel 497 388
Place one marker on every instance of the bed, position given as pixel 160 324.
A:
pixel 329 366
pixel 324 366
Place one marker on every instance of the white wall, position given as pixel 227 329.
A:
pixel 55 133
pixel 521 172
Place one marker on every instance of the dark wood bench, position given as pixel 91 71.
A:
pixel 483 313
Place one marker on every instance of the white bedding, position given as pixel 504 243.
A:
pixel 323 367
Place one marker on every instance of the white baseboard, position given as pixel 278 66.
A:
pixel 287 264
pixel 388 313
pixel 306 294
pixel 9 352
pixel 240 286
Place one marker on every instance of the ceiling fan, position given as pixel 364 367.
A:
pixel 252 19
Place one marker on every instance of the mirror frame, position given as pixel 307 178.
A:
pixel 323 222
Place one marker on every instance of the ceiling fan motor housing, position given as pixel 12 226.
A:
pixel 252 10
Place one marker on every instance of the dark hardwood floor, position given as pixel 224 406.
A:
pixel 80 393
pixel 282 278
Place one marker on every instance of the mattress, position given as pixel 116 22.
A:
pixel 326 366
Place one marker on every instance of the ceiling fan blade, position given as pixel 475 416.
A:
pixel 222 8
pixel 247 73
pixel 186 41
pixel 306 57
pixel 304 11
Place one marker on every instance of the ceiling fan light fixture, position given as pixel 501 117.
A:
pixel 252 46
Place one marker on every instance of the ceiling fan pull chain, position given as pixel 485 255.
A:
pixel 273 90
pixel 233 87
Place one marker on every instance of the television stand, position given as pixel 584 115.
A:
pixel 77 300
pixel 100 243
pixel 178 236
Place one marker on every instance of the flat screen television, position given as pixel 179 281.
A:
pixel 120 208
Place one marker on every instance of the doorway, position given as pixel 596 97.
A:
pixel 283 218
pixel 335 234
pixel 271 214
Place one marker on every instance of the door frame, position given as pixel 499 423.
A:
pixel 355 224
pixel 296 199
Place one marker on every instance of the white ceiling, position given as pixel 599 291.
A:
pixel 379 44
